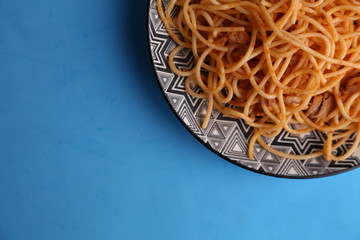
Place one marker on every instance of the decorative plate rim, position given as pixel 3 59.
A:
pixel 328 174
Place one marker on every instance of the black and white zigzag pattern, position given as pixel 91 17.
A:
pixel 229 137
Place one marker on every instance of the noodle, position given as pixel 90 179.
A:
pixel 274 63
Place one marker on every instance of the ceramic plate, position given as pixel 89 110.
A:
pixel 229 137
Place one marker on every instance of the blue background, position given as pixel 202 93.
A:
pixel 89 149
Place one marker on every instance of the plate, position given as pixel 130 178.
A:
pixel 229 137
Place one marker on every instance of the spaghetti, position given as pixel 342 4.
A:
pixel 275 64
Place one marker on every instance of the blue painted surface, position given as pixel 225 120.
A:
pixel 89 149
